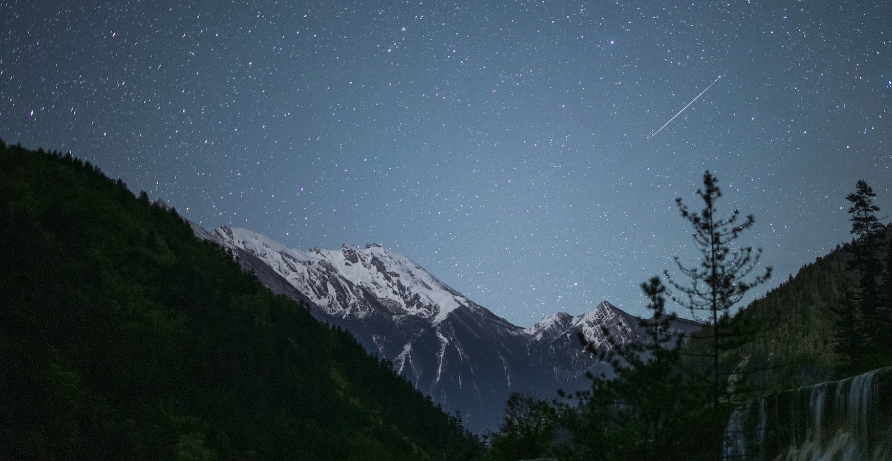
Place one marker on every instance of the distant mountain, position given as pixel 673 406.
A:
pixel 467 358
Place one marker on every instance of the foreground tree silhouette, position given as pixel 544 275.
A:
pixel 867 228
pixel 863 315
pixel 717 284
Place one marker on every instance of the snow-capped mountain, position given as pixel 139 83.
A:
pixel 464 356
pixel 349 282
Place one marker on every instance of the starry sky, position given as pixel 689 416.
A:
pixel 506 146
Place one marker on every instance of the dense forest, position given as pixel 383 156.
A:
pixel 122 336
pixel 799 342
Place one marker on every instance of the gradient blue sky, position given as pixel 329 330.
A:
pixel 501 145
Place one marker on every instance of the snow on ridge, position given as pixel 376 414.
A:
pixel 549 322
pixel 383 269
pixel 589 323
pixel 394 279
pixel 249 240
pixel 598 315
pixel 605 314
pixel 390 276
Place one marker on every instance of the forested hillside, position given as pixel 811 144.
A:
pixel 122 336
pixel 794 325
pixel 798 326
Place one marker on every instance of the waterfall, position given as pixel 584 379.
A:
pixel 847 420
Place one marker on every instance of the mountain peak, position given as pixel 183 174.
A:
pixel 619 324
pixel 550 326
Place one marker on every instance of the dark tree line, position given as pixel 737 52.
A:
pixel 864 311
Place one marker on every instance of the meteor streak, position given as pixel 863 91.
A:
pixel 685 107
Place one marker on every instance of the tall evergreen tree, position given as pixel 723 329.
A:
pixel 865 224
pixel 869 302
pixel 717 284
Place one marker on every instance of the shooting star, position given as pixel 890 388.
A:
pixel 685 107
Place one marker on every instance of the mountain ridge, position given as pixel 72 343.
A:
pixel 466 357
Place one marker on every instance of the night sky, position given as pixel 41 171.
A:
pixel 504 145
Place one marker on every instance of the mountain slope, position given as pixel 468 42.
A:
pixel 795 342
pixel 123 336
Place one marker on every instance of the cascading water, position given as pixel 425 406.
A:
pixel 847 420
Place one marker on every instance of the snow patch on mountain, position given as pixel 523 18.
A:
pixel 393 280
pixel 441 355
pixel 399 363
pixel 551 326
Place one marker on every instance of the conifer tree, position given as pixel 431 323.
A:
pixel 717 284
pixel 867 228
pixel 869 305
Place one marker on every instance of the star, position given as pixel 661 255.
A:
pixel 501 147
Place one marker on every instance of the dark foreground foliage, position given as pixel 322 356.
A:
pixel 122 336
pixel 832 320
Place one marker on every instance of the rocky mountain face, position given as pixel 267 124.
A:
pixel 465 357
